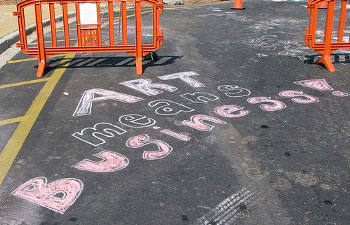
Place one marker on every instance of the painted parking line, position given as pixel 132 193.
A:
pixel 33 59
pixel 13 120
pixel 24 82
pixel 15 143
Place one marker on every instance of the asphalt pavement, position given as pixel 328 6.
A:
pixel 234 123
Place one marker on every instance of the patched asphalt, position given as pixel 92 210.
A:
pixel 288 166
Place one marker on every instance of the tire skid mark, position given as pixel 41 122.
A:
pixel 231 208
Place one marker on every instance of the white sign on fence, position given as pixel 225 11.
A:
pixel 88 13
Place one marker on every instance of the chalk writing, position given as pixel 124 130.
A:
pixel 261 55
pixel 111 162
pixel 85 105
pixel 340 94
pixel 61 194
pixel 265 42
pixel 94 135
pixel 317 84
pixel 185 77
pixel 274 106
pixel 58 195
pixel 167 108
pixel 298 97
pixel 175 135
pixel 199 97
pixel 136 121
pixel 139 141
pixel 228 110
pixel 197 123
pixel 146 87
pixel 234 91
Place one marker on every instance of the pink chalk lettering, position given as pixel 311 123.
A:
pixel 94 135
pixel 58 195
pixel 298 97
pixel 274 106
pixel 168 108
pixel 139 141
pixel 146 87
pixel 229 111
pixel 197 123
pixel 136 121
pixel 234 91
pixel 340 94
pixel 97 95
pixel 185 77
pixel 111 162
pixel 199 97
pixel 317 84
pixel 176 135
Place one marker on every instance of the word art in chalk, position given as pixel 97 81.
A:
pixel 59 195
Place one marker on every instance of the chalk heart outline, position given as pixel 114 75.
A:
pixel 39 192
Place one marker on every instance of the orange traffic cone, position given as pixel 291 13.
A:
pixel 323 5
pixel 238 4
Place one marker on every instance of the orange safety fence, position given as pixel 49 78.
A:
pixel 333 39
pixel 88 24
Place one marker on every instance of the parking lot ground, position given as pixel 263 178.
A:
pixel 232 124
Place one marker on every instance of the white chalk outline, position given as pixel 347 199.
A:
pixel 240 108
pixel 64 195
pixel 325 82
pixel 301 95
pixel 164 101
pixel 93 134
pixel 344 94
pixel 147 87
pixel 121 97
pixel 150 141
pixel 103 160
pixel 45 185
pixel 201 122
pixel 185 77
pixel 201 99
pixel 155 122
pixel 235 88
pixel 169 132
pixel 267 100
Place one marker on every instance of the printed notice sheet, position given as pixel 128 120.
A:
pixel 88 13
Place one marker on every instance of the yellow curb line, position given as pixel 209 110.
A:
pixel 15 143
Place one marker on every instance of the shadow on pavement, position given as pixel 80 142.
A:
pixel 96 62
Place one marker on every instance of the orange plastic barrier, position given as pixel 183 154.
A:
pixel 323 5
pixel 238 4
pixel 89 38
pixel 329 43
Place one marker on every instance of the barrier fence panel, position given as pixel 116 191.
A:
pixel 333 35
pixel 86 31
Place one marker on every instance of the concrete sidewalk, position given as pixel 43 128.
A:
pixel 9 23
